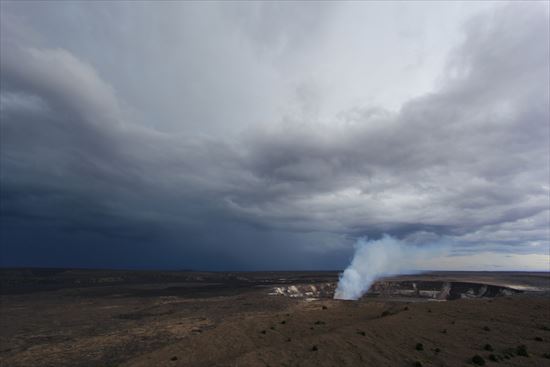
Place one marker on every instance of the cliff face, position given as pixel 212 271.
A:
pixel 418 289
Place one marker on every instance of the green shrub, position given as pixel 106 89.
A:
pixel 521 350
pixel 419 346
pixel 478 360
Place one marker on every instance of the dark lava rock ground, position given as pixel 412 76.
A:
pixel 63 317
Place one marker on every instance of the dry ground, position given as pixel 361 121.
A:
pixel 233 322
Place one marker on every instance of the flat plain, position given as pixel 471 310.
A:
pixel 78 317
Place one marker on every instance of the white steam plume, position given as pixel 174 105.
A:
pixel 377 258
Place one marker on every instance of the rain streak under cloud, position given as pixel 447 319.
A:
pixel 273 135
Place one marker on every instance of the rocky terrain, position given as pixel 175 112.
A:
pixel 64 317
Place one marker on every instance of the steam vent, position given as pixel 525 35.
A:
pixel 435 290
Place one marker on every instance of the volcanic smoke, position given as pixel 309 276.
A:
pixel 377 258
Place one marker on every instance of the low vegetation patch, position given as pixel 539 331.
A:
pixel 478 360
pixel 521 350
pixel 419 346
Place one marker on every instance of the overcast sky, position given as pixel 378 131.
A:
pixel 270 135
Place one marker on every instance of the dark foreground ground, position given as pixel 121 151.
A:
pixel 61 317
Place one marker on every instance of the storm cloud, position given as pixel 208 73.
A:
pixel 224 136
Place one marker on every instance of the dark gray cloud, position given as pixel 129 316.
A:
pixel 92 176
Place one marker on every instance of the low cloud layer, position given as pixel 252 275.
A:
pixel 92 175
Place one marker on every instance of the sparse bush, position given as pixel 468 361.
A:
pixel 325 307
pixel 493 358
pixel 486 328
pixel 419 346
pixel 521 350
pixel 283 322
pixel 429 310
pixel 406 308
pixel 319 322
pixel 444 331
pixel 288 340
pixel 263 331
pixel 437 350
pixel 362 333
pixel 174 358
pixel 546 355
pixel 385 313
pixel 538 338
pixel 314 348
pixel 488 347
pixel 272 327
pixel 417 364
pixel 478 360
